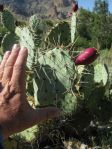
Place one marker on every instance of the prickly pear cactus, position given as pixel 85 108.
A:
pixel 73 27
pixel 55 79
pixel 100 74
pixel 92 77
pixel 31 41
pixel 93 86
pixel 79 71
pixel 10 37
pixel 8 41
pixel 22 140
pixel 69 104
pixel 27 135
pixel 87 84
pixel 37 25
pixel 59 34
pixel 8 20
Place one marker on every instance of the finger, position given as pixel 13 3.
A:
pixel 10 63
pixel 2 65
pixel 18 75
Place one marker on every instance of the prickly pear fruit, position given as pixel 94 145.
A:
pixel 88 56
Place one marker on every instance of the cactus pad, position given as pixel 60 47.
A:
pixel 69 104
pixel 8 41
pixel 87 84
pixel 28 134
pixel 59 34
pixel 73 27
pixel 100 74
pixel 36 24
pixel 27 39
pixel 56 74
pixel 8 20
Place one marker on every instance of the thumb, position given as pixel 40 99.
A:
pixel 42 114
pixel 33 117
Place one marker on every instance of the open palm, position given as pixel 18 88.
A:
pixel 15 112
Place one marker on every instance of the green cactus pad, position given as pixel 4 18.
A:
pixel 80 69
pixel 69 104
pixel 27 135
pixel 73 27
pixel 8 20
pixel 37 25
pixel 27 39
pixel 59 34
pixel 87 84
pixel 100 74
pixel 56 74
pixel 8 41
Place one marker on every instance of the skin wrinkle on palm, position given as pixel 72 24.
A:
pixel 15 112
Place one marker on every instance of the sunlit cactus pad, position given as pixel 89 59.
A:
pixel 27 39
pixel 56 74
pixel 37 25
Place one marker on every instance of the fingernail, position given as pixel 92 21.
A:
pixel 7 52
pixel 16 46
pixel 23 49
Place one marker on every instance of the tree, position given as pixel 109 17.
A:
pixel 101 29
pixel 84 28
pixel 101 7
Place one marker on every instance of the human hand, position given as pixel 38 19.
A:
pixel 15 112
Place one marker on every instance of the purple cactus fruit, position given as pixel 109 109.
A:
pixel 88 56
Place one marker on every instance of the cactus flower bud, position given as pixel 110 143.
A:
pixel 88 56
